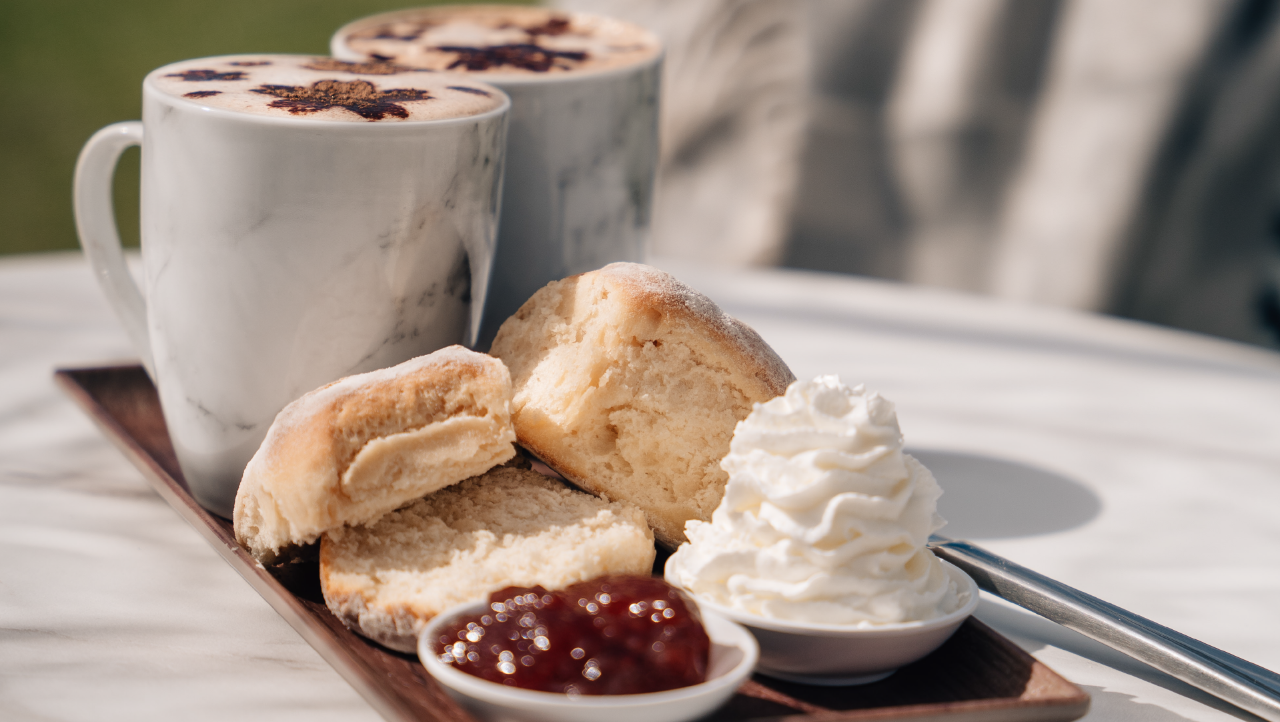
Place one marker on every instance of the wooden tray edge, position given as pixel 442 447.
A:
pixel 363 680
pixel 386 701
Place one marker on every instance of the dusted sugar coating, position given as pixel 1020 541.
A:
pixel 630 383
pixel 611 635
pixel 508 41
pixel 349 452
pixel 824 518
pixel 324 89
pixel 510 526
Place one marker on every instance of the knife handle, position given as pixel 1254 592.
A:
pixel 1242 683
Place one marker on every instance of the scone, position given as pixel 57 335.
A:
pixel 630 383
pixel 509 527
pixel 349 452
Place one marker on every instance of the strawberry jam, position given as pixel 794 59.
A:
pixel 610 635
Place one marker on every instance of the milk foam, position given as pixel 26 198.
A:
pixel 824 519
pixel 324 89
pixel 530 41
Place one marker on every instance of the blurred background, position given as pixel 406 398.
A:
pixel 1118 156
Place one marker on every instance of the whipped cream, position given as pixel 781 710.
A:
pixel 824 519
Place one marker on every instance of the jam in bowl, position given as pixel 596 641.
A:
pixel 623 646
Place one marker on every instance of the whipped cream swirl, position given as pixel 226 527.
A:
pixel 824 519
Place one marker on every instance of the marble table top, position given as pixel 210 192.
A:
pixel 1139 464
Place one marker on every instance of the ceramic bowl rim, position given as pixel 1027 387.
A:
pixel 494 693
pixel 811 629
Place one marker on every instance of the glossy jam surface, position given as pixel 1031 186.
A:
pixel 611 635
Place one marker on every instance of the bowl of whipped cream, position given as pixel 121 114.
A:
pixel 818 546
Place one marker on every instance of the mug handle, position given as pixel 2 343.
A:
pixel 96 225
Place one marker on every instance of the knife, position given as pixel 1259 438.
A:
pixel 1242 683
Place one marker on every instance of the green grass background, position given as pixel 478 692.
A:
pixel 69 67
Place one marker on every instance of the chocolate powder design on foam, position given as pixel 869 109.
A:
pixel 473 91
pixel 358 96
pixel 204 75
pixel 520 55
pixel 555 25
pixel 378 67
pixel 201 93
pixel 387 32
pixel 251 63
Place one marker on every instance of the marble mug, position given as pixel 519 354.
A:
pixel 282 252
pixel 582 154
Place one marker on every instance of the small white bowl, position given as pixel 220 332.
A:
pixel 733 656
pixel 840 654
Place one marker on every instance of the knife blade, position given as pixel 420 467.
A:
pixel 1242 683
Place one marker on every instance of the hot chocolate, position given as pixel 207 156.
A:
pixel 300 86
pixel 500 40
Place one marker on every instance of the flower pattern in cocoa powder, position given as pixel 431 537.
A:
pixel 207 75
pixel 519 55
pixel 377 67
pixel 357 96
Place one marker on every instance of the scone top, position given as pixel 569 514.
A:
pixel 630 384
pixel 349 452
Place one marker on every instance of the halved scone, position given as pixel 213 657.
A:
pixel 508 527
pixel 349 452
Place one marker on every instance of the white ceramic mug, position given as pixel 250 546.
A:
pixel 582 151
pixel 292 243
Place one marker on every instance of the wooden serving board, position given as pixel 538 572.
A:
pixel 976 675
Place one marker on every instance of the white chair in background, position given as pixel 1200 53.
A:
pixel 1105 155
